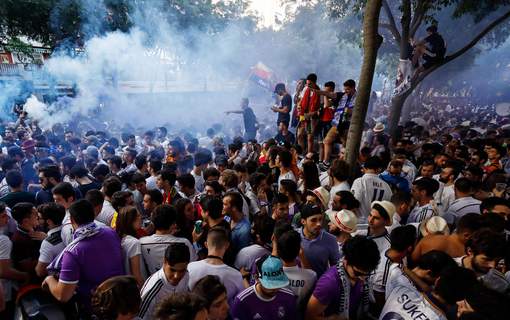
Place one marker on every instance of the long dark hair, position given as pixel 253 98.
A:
pixel 124 223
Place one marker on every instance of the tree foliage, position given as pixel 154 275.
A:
pixel 54 22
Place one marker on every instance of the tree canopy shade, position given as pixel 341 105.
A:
pixel 405 18
pixel 74 21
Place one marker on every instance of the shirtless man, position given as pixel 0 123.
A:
pixel 452 244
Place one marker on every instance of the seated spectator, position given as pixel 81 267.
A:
pixel 183 306
pixel 171 279
pixel 92 246
pixel 214 293
pixel 217 244
pixel 361 257
pixel 164 219
pixel 51 215
pixel 268 297
pixel 116 298
pixel 16 190
pixel 26 242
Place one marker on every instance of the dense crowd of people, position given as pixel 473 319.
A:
pixel 158 225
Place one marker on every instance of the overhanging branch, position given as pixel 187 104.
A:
pixel 392 25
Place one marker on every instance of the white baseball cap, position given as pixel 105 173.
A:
pixel 344 220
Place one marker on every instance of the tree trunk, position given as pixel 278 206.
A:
pixel 371 44
pixel 397 103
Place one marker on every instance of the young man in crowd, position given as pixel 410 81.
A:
pixel 51 215
pixel 26 241
pixel 166 183
pixel 92 246
pixel 217 244
pixel 262 232
pixel 393 177
pixel 269 297
pixel 164 219
pixel 308 113
pixel 403 204
pixel 239 223
pixel 484 249
pixel 285 105
pixel 402 240
pixel 154 168
pixel 151 200
pixel 172 278
pixel 423 194
pixel 342 224
pixel 464 202
pixel 381 217
pixel 338 175
pixel 16 193
pixel 301 280
pixel 110 186
pixel 320 247
pixel 343 291
pixel 49 177
pixel 369 188
pixel 212 216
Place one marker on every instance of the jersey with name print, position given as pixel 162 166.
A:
pixel 367 189
pixel 406 303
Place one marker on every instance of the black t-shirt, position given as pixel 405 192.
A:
pixel 249 120
pixel 12 198
pixel 286 102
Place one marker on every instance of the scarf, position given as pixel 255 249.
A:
pixel 168 197
pixel 83 232
pixel 345 284
pixel 345 104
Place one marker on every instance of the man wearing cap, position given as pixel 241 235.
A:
pixel 285 105
pixel 381 216
pixel 268 298
pixel 342 224
pixel 369 188
pixel 319 246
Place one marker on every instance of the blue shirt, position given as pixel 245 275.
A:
pixel 397 181
pixel 321 252
pixel 241 235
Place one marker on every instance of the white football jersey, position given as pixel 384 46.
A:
pixel 367 189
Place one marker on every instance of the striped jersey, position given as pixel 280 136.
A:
pixel 406 303
pixel 155 289
pixel 418 214
pixel 461 207
pixel 381 276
